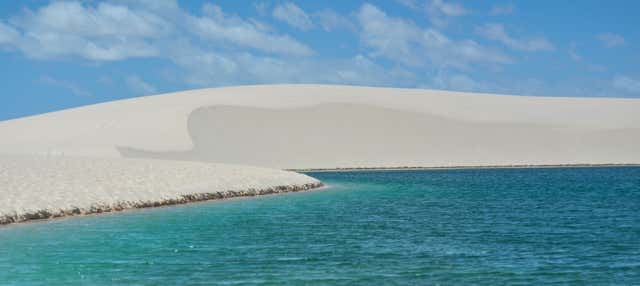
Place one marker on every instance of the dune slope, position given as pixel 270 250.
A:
pixel 322 126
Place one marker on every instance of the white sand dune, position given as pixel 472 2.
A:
pixel 322 126
pixel 286 126
pixel 36 187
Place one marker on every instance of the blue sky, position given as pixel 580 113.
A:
pixel 61 54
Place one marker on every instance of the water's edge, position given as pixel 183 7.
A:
pixel 126 205
pixel 462 167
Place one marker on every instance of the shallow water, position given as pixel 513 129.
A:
pixel 480 226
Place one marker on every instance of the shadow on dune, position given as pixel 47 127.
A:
pixel 287 137
pixel 350 135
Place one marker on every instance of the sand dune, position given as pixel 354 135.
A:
pixel 36 187
pixel 318 126
pixel 286 126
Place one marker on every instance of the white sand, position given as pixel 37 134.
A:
pixel 321 126
pixel 40 187
pixel 287 126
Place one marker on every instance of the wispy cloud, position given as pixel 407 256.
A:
pixel 103 32
pixel 411 45
pixel 329 20
pixel 208 68
pixel 573 54
pixel 413 4
pixel 64 84
pixel 506 9
pixel 498 33
pixel 447 9
pixel 261 7
pixel 456 81
pixel 214 47
pixel 611 40
pixel 220 27
pixel 8 34
pixel 439 10
pixel 109 31
pixel 139 86
pixel 579 59
pixel 291 14
pixel 626 84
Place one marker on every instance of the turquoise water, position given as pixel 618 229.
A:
pixel 491 227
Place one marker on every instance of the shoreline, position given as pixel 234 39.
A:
pixel 44 215
pixel 38 188
pixel 403 168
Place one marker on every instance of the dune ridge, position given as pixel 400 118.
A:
pixel 333 127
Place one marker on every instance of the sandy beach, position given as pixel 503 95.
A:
pixel 35 187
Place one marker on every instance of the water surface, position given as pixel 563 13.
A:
pixel 477 226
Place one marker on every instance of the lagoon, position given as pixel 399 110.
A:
pixel 408 227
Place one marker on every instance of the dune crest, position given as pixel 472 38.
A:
pixel 325 126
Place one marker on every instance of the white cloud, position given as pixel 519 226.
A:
pixel 210 49
pixel 160 7
pixel 574 55
pixel 409 44
pixel 611 40
pixel 413 4
pixel 103 20
pixel 68 85
pixel 506 9
pixel 139 86
pixel 261 7
pixel 103 32
pixel 458 82
pixel 207 68
pixel 8 34
pixel 439 10
pixel 626 84
pixel 448 9
pixel 215 48
pixel 292 14
pixel 105 79
pixel 497 32
pixel 111 31
pixel 329 20
pixel 219 27
pixel 463 83
pixel 363 71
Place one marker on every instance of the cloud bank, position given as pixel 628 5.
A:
pixel 210 46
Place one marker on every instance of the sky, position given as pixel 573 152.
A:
pixel 62 54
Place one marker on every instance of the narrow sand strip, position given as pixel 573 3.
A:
pixel 39 187
pixel 462 167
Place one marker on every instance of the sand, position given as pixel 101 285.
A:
pixel 81 161
pixel 37 187
pixel 324 126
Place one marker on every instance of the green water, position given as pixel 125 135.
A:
pixel 493 227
